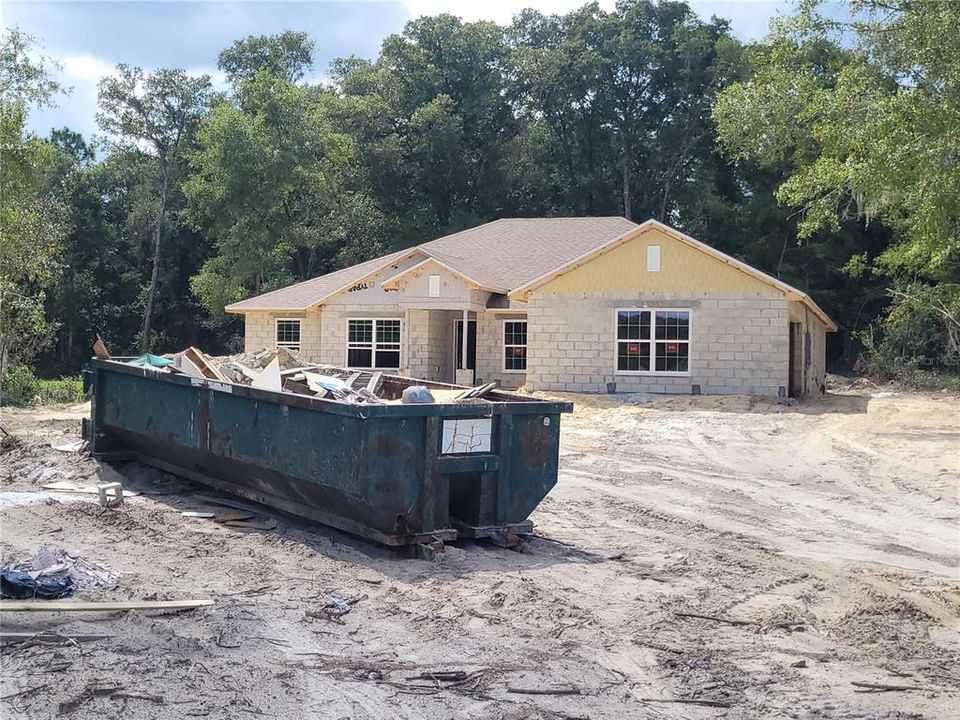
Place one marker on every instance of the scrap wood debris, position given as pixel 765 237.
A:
pixel 285 370
pixel 240 516
pixel 46 637
pixel 869 687
pixel 8 441
pixel 102 606
pixel 95 689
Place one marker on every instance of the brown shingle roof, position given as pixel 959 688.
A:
pixel 512 252
pixel 306 293
pixel 502 254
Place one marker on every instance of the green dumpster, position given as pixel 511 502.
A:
pixel 397 474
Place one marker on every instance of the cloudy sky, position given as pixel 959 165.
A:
pixel 90 38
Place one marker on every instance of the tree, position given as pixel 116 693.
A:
pixel 434 105
pixel 869 133
pixel 30 228
pixel 158 114
pixel 288 55
pixel 275 186
pixel 626 98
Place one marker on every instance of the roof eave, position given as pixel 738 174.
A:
pixel 354 281
pixel 521 292
pixel 391 282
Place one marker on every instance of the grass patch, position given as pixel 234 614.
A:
pixel 20 387
pixel 58 392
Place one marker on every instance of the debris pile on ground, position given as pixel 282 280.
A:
pixel 52 563
pixel 285 370
pixel 53 574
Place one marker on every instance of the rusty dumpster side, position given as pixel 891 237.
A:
pixel 380 471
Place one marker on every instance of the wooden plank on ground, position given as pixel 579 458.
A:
pixel 47 637
pixel 106 606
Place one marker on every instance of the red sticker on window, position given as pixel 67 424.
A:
pixel 633 348
pixel 518 351
pixel 672 348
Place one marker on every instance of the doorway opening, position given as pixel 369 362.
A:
pixel 795 380
pixel 471 346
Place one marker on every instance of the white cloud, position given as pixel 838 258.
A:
pixel 85 67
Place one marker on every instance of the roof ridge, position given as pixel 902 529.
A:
pixel 458 250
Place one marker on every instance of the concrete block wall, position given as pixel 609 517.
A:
pixel 333 340
pixel 738 343
pixel 429 344
pixel 490 350
pixel 259 330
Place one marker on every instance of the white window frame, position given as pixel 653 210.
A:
pixel 653 341
pixel 503 337
pixel 373 346
pixel 287 344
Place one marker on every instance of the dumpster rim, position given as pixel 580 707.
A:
pixel 522 405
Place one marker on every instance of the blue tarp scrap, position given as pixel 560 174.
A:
pixel 149 360
pixel 20 585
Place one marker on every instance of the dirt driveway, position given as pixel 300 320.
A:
pixel 699 558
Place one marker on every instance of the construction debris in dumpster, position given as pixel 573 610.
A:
pixel 284 370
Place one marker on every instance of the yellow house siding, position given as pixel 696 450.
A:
pixel 683 269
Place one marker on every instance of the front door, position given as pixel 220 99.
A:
pixel 471 346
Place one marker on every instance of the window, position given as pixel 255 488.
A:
pixel 434 283
pixel 288 334
pixel 653 341
pixel 653 258
pixel 373 344
pixel 514 345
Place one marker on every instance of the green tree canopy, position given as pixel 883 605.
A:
pixel 866 116
pixel 31 228
pixel 157 115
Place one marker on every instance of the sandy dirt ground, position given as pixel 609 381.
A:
pixel 819 541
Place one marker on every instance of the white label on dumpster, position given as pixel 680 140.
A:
pixel 213 385
pixel 466 435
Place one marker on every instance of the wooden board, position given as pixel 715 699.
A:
pixel 203 364
pixel 79 606
pixel 100 350
pixel 49 637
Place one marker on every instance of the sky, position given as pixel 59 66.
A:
pixel 89 39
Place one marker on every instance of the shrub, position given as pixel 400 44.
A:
pixel 20 387
pixel 17 386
